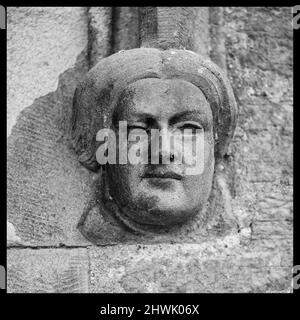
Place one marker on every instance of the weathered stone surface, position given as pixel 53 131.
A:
pixel 99 23
pixel 259 61
pixel 125 28
pixel 47 270
pixel 175 27
pixel 46 188
pixel 41 44
pixel 201 32
pixel 217 51
pixel 218 266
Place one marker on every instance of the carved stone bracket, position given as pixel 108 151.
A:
pixel 175 44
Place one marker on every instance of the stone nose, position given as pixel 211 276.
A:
pixel 160 147
pixel 166 157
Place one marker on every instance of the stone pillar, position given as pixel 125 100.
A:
pixel 175 27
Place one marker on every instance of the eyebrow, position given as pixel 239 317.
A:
pixel 141 116
pixel 187 115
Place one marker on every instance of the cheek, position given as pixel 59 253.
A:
pixel 119 182
pixel 198 153
pixel 198 186
pixel 124 181
pixel 138 152
pixel 124 174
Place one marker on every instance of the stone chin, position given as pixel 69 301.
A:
pixel 159 212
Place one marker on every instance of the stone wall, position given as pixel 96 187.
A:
pixel 49 50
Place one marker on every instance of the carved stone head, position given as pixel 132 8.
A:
pixel 170 90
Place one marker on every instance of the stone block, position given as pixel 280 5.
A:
pixel 47 271
pixel 225 266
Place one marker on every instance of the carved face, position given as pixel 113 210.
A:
pixel 162 194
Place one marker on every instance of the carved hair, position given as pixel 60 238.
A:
pixel 97 94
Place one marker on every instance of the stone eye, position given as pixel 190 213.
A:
pixel 189 127
pixel 140 126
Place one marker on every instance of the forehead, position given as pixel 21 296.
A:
pixel 162 98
